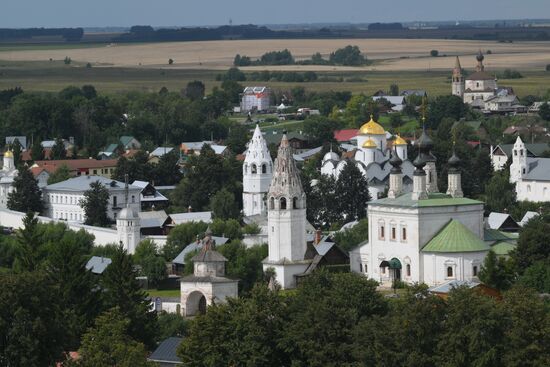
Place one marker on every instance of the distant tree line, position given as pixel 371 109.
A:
pixel 347 56
pixel 383 26
pixel 69 34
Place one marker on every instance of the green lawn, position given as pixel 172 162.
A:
pixel 170 293
pixel 54 76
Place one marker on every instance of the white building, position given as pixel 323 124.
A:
pixel 208 284
pixel 503 152
pixel 62 199
pixel 477 87
pixel 286 220
pixel 530 174
pixel 255 99
pixel 7 175
pixel 372 156
pixel 257 174
pixel 426 237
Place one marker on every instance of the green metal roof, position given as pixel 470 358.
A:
pixel 125 140
pixel 435 199
pixel 455 237
pixel 503 248
pixel 490 234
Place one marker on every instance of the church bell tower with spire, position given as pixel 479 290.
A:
pixel 257 174
pixel 458 80
pixel 286 220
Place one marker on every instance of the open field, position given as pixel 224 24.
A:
pixel 389 54
pixel 54 76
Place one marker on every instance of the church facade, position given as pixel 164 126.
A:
pixel 476 88
pixel 531 175
pixel 7 175
pixel 422 236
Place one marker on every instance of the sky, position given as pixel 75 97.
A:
pixel 102 13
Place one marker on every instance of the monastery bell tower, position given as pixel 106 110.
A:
pixel 257 174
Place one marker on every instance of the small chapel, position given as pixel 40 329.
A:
pixel 422 236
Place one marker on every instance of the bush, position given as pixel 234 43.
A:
pixel 548 67
pixel 67 60
pixel 434 53
pixel 170 61
pixel 511 74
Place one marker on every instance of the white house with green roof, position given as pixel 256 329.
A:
pixel 422 236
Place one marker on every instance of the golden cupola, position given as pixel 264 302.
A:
pixel 372 128
pixel 8 154
pixel 399 141
pixel 369 143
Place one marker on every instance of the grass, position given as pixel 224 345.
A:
pixel 169 293
pixel 52 76
pixel 51 46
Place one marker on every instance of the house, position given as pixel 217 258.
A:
pixel 255 99
pixel 189 148
pixel 397 102
pixel 79 167
pixel 527 217
pixel 414 92
pixel 158 153
pixel 530 174
pixel 345 135
pixel 503 104
pixel 62 199
pixel 502 222
pixel 166 353
pixel 308 154
pixel 129 142
pixel 10 140
pixel 109 152
pixel 150 198
pixel 503 152
pixel 304 112
pixel 98 264
pixel 534 108
pixel 444 289
pixel 154 223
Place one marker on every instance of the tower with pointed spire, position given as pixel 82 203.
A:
pixel 257 174
pixel 128 224
pixel 458 85
pixel 286 219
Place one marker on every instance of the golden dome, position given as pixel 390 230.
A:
pixel 399 141
pixel 372 128
pixel 369 144
pixel 8 154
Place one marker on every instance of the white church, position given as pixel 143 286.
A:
pixel 7 175
pixel 422 236
pixel 531 175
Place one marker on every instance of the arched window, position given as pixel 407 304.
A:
pixel 264 168
pixel 408 270
pixel 449 271
pixel 253 169
pixel 272 203
pixel 295 203
pixel 282 204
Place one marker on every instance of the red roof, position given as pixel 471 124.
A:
pixel 345 134
pixel 75 164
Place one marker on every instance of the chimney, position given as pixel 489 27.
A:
pixel 318 235
pixel 454 180
pixel 396 176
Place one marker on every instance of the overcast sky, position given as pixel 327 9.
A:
pixel 90 13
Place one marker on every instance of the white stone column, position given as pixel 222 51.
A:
pixel 454 187
pixel 396 185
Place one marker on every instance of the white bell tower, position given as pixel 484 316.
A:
pixel 519 161
pixel 286 220
pixel 257 174
pixel 128 226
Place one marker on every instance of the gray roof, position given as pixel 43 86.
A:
pixel 449 286
pixel 539 169
pixel 324 246
pixel 194 246
pixel 166 351
pixel 207 256
pixel 528 216
pixel 308 153
pixel 180 218
pixel 22 140
pixel 97 265
pixel 207 279
pixel 157 196
pixel 152 219
pixel 82 183
pixel 536 149
pixel 496 220
pixel 160 151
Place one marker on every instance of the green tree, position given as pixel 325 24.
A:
pixel 322 210
pixel 180 236
pixel 434 53
pixel 26 196
pixel 32 326
pixel 324 311
pixel 352 237
pixel 230 228
pixel 121 289
pixel 195 90
pixel 167 170
pixel 153 266
pixel 533 242
pixel 243 332
pixel 223 205
pixel 16 150
pixel 473 331
pixel 396 120
pixel 37 151
pixel 58 150
pixel 537 276
pixel 349 56
pixel 445 106
pixel 527 335
pixel 95 204
pixel 109 343
pixel 352 193
pixel 500 192
pixel 60 174
pixel 544 111
pixel 29 241
pixel 394 90
pixel 171 324
pixel 321 129
pixel 233 90
pixel 497 272
pixel 407 336
pixel 238 138
pixel 244 263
